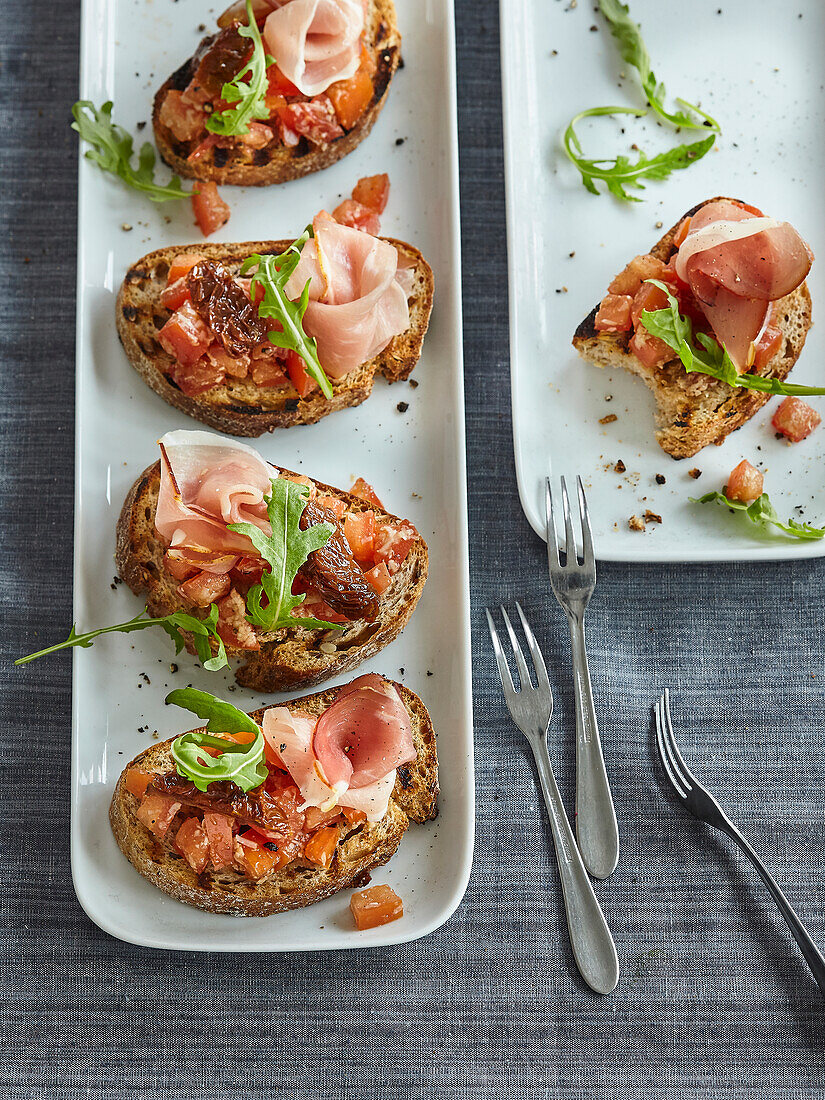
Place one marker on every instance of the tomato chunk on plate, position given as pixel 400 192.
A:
pixel 373 191
pixel 211 212
pixel 795 419
pixel 375 906
pixel 745 483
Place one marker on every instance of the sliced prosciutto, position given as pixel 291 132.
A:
pixel 206 483
pixel 358 297
pixel 736 262
pixel 315 42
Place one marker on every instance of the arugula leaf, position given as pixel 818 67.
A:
pixel 242 764
pixel 112 151
pixel 250 96
pixel 712 359
pixel 271 275
pixel 286 550
pixel 203 630
pixel 761 511
pixel 620 172
pixel 628 36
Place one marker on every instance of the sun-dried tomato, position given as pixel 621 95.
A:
pixel 333 572
pixel 222 304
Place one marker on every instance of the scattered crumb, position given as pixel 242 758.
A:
pixel 126 227
pixel 155 734
pixel 400 141
pixel 620 467
pixel 141 126
pixel 413 383
pixel 660 479
pixel 651 517
pixel 695 473
pixel 636 524
pixel 173 667
pixel 659 225
pixel 402 406
pixel 608 397
pixel 609 419
pixel 572 254
pixel 429 673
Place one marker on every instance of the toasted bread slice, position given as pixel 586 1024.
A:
pixel 694 410
pixel 360 848
pixel 277 163
pixel 238 406
pixel 291 658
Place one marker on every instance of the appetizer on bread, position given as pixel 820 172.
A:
pixel 713 319
pixel 302 580
pixel 255 814
pixel 267 334
pixel 288 93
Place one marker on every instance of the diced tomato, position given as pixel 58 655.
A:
pixel 745 483
pixel 767 346
pixel 269 371
pixel 681 232
pixel 640 268
pixel 175 294
pixel 367 63
pixel 332 504
pixel 184 120
pixel 218 829
pixel 157 812
pixel 278 114
pixel 353 817
pixel 614 314
pixel 375 906
pixel 255 860
pixel 359 531
pixel 192 843
pixel 350 98
pixel 278 83
pixel 320 848
pixel 393 543
pixel 296 369
pixel 379 578
pixel 203 147
pixel 316 817
pixel 182 265
pixel 233 625
pixel 364 491
pixel 204 588
pixel 316 608
pixel 357 216
pixel 211 212
pixel 795 419
pixel 373 191
pixel 185 336
pixel 197 377
pixel 137 781
pixel 314 120
pixel 236 366
pixel 649 350
pixel 257 136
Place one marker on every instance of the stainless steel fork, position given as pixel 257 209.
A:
pixel 701 803
pixel 531 708
pixel 573 583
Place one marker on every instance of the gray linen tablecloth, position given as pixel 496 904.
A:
pixel 714 998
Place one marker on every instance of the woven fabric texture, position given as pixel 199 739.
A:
pixel 714 1000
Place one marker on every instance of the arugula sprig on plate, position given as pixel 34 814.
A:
pixel 242 763
pixel 247 96
pixel 762 513
pixel 112 150
pixel 710 357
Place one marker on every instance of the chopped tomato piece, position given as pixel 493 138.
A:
pixel 218 829
pixel 233 625
pixel 649 350
pixel 316 608
pixel 393 543
pixel 185 336
pixel 315 120
pixel 373 191
pixel 211 212
pixel 379 578
pixel 157 812
pixel 682 231
pixel 257 137
pixel 181 118
pixel 296 369
pixel 182 265
pixel 332 504
pixel 745 483
pixel 359 531
pixel 278 83
pixel 350 98
pixel 175 294
pixel 255 860
pixel 640 268
pixel 614 314
pixel 316 817
pixel 236 366
pixel 197 377
pixel 795 419
pixel 137 781
pixel 357 216
pixel 767 346
pixel 353 817
pixel 375 906
pixel 269 371
pixel 364 491
pixel 367 63
pixel 192 843
pixel 320 848
pixel 204 588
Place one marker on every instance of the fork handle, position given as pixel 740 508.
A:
pixel 596 826
pixel 590 938
pixel 813 956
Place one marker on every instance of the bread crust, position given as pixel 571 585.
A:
pixel 239 406
pixel 361 848
pixel 277 163
pixel 289 658
pixel 694 410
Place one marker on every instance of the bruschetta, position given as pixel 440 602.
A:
pixel 306 798
pixel 302 581
pixel 732 282
pixel 332 62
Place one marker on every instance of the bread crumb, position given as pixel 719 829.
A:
pixel 636 524
pixel 660 479
pixel 651 517
pixel 609 419
pixel 620 467
pixel 695 473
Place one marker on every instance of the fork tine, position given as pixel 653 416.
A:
pixel 550 518
pixel 669 744
pixel 501 660
pixel 538 661
pixel 660 744
pixel 587 531
pixel 570 546
pixel 688 774
pixel 524 675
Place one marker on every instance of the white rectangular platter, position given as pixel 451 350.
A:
pixel 757 68
pixel 414 458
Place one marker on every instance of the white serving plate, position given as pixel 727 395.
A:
pixel 416 460
pixel 757 67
